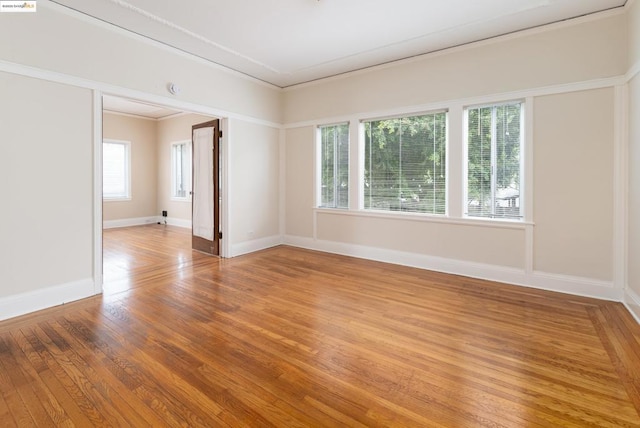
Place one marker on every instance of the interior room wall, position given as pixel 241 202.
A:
pixel 142 135
pixel 47 221
pixel 634 188
pixel 170 131
pixel 633 214
pixel 633 31
pixel 560 54
pixel 570 243
pixel 67 42
pixel 299 181
pixel 254 190
pixel 573 182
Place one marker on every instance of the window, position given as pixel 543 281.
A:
pixel 181 170
pixel 334 166
pixel 405 164
pixel 494 135
pixel 116 169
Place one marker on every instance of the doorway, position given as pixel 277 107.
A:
pixel 151 181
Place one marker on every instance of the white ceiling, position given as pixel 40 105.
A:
pixel 286 42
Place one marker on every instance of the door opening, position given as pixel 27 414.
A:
pixel 151 193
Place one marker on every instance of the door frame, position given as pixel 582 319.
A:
pixel 225 246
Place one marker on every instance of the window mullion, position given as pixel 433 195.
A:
pixel 335 169
pixel 399 184
pixel 494 158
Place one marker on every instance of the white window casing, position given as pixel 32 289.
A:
pixel 116 170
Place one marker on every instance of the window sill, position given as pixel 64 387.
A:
pixel 116 199
pixel 429 218
pixel 176 199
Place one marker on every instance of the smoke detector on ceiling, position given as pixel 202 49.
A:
pixel 174 89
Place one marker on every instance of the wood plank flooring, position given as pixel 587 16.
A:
pixel 294 338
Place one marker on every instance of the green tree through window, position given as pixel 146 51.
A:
pixel 493 161
pixel 334 166
pixel 405 164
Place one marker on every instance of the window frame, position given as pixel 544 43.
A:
pixel 127 195
pixel 523 159
pixel 173 172
pixel 319 167
pixel 445 161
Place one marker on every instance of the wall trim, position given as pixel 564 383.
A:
pixel 425 218
pixel 632 72
pixel 142 221
pixel 632 303
pixel 178 222
pixel 568 284
pixel 126 222
pixel 480 99
pixel 97 192
pixel 420 57
pixel 226 183
pixel 152 119
pixel 255 245
pixel 282 182
pixel 620 184
pixel 466 46
pixel 24 303
pixel 149 41
pixel 134 94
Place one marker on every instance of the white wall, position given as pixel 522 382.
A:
pixel 46 224
pixel 634 190
pixel 142 135
pixel 577 52
pixel 151 142
pixel 66 42
pixel 633 29
pixel 254 191
pixel 633 215
pixel 171 131
pixel 299 182
pixel 573 182
pixel 568 245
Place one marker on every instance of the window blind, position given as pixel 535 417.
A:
pixel 334 166
pixel 493 161
pixel 405 164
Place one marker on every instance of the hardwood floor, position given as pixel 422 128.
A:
pixel 289 337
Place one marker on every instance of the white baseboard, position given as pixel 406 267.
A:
pixel 126 222
pixel 632 303
pixel 24 303
pixel 255 245
pixel 542 280
pixel 141 221
pixel 179 222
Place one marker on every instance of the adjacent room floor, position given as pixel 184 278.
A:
pixel 289 337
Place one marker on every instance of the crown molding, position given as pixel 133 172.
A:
pixel 465 46
pixel 52 5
